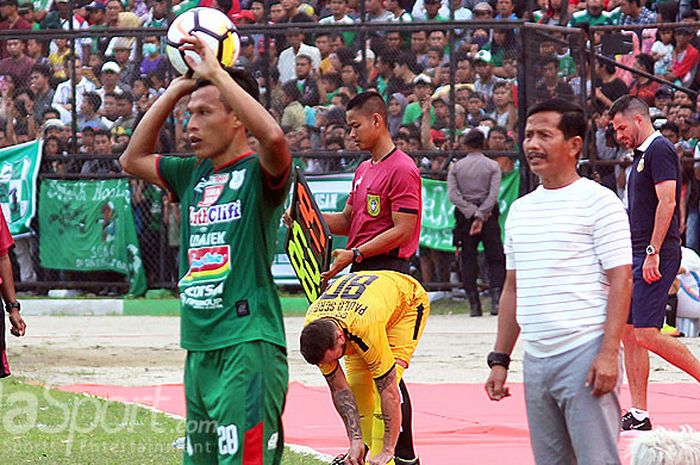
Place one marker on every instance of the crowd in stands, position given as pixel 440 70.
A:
pixel 308 77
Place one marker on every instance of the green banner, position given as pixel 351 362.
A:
pixel 19 167
pixel 89 226
pixel 331 194
pixel 438 211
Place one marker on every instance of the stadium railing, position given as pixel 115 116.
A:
pixel 571 46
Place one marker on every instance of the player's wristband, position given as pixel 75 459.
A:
pixel 498 358
pixel 357 256
pixel 9 306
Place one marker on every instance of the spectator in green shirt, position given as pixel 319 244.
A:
pixel 432 10
pixel 593 15
pixel 503 40
pixel 422 89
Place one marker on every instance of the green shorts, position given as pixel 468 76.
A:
pixel 235 398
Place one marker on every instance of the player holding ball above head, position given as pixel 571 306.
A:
pixel 231 200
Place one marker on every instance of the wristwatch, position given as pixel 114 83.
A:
pixel 498 358
pixel 357 256
pixel 9 306
pixel 651 250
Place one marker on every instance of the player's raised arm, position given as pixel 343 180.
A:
pixel 138 159
pixel 274 153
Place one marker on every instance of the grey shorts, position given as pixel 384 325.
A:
pixel 568 425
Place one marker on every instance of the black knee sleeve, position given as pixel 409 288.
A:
pixel 404 446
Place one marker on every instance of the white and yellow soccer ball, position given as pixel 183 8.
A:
pixel 213 27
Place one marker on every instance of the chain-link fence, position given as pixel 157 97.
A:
pixel 85 91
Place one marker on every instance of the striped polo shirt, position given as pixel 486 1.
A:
pixel 560 242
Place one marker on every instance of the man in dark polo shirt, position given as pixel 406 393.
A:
pixel 7 289
pixel 381 219
pixel 654 197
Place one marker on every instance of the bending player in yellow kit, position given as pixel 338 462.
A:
pixel 375 319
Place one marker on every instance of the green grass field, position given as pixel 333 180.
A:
pixel 46 426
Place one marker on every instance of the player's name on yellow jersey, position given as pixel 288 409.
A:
pixel 339 308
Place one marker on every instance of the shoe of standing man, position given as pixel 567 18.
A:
pixel 495 297
pixel 636 420
pixel 475 304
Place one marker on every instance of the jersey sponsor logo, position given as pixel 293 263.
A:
pixel 210 238
pixel 207 264
pixel 237 178
pixel 213 180
pixel 272 442
pixel 205 291
pixel 225 213
pixel 214 303
pixel 357 183
pixel 373 205
pixel 211 195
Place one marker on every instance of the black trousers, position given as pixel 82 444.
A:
pixel 490 236
pixel 382 262
pixel 4 366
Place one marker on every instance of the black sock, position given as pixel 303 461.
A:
pixel 404 446
pixel 671 313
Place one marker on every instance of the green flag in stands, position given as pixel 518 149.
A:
pixel 89 226
pixel 19 166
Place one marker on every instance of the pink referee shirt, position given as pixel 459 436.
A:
pixel 378 189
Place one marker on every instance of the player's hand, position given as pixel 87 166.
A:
pixel 381 458
pixel 287 217
pixel 181 85
pixel 477 226
pixel 341 259
pixel 209 66
pixel 602 375
pixel 496 383
pixel 19 327
pixel 650 269
pixel 356 454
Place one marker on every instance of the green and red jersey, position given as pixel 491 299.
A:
pixel 228 226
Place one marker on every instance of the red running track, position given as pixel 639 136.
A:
pixel 453 423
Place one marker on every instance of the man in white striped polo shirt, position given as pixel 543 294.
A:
pixel 567 291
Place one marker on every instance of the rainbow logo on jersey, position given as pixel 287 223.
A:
pixel 208 264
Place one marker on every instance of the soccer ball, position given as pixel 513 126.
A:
pixel 213 27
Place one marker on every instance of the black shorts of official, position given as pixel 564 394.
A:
pixel 649 300
pixel 382 262
pixel 4 365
